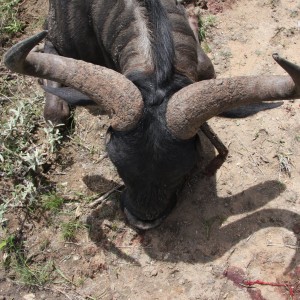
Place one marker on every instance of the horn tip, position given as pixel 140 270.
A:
pixel 276 56
pixel 15 56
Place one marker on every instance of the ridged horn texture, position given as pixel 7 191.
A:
pixel 112 91
pixel 193 105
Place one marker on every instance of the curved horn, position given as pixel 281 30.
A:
pixel 193 105
pixel 109 89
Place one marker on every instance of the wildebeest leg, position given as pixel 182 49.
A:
pixel 216 162
pixel 56 110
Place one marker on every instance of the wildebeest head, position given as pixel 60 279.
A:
pixel 153 147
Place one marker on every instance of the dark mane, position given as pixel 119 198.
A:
pixel 162 42
pixel 160 85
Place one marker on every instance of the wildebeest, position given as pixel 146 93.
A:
pixel 140 61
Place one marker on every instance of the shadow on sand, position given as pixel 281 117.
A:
pixel 194 232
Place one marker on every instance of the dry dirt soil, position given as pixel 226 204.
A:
pixel 241 224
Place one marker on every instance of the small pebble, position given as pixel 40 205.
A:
pixel 29 297
pixel 76 257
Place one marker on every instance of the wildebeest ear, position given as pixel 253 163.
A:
pixel 250 109
pixel 70 95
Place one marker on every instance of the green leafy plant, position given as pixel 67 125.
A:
pixel 9 22
pixel 54 136
pixel 26 147
pixel 52 202
pixel 70 228
pixel 12 250
pixel 25 272
pixel 35 274
pixel 7 244
pixel 204 24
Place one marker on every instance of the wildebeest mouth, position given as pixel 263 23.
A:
pixel 138 223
